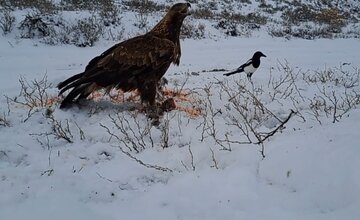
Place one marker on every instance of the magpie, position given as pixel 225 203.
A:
pixel 250 66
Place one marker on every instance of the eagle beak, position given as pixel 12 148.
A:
pixel 188 9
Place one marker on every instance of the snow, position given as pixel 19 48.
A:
pixel 310 170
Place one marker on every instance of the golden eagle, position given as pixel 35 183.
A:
pixel 137 63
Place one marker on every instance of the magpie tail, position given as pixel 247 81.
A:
pixel 231 73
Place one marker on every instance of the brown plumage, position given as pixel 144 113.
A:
pixel 137 63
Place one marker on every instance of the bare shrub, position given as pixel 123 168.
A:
pixel 73 5
pixel 315 22
pixel 141 19
pixel 279 31
pixel 192 164
pixel 132 137
pixel 269 8
pixel 108 10
pixel 43 6
pixel 232 28
pixel 351 31
pixel 146 6
pixel 165 131
pixel 244 114
pixel 60 130
pixel 33 26
pixel 7 21
pixel 191 30
pixel 333 104
pixel 335 76
pixel 4 121
pixel 251 19
pixel 214 159
pixel 250 115
pixel 85 32
pixel 334 91
pixel 330 16
pixel 109 13
pixel 229 27
pixel 33 95
pixel 117 36
pixel 337 93
pixel 203 13
pixel 299 14
pixel 307 31
pixel 59 31
pixel 209 124
pixel 285 85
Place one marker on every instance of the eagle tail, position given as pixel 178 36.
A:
pixel 69 99
pixel 69 80
pixel 79 92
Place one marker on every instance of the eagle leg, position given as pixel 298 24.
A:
pixel 148 98
pixel 148 93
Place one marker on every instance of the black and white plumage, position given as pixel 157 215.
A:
pixel 250 66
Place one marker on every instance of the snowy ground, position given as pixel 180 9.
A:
pixel 310 169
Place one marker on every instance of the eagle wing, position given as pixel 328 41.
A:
pixel 146 55
pixel 178 53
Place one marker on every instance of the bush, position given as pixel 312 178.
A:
pixel 145 6
pixel 86 32
pixel 330 16
pixel 7 22
pixel 109 13
pixel 43 6
pixel 229 27
pixel 190 30
pixel 252 18
pixel 297 15
pixel 73 5
pixel 59 31
pixel 33 26
pixel 307 31
pixel 82 33
pixel 203 13
pixel 306 13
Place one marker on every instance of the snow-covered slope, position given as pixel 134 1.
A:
pixel 282 147
pixel 309 170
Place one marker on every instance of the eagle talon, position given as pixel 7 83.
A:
pixel 153 112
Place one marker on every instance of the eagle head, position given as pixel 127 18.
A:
pixel 169 26
pixel 180 9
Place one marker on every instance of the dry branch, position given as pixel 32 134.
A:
pixel 264 137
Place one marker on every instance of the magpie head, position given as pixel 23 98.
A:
pixel 258 54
